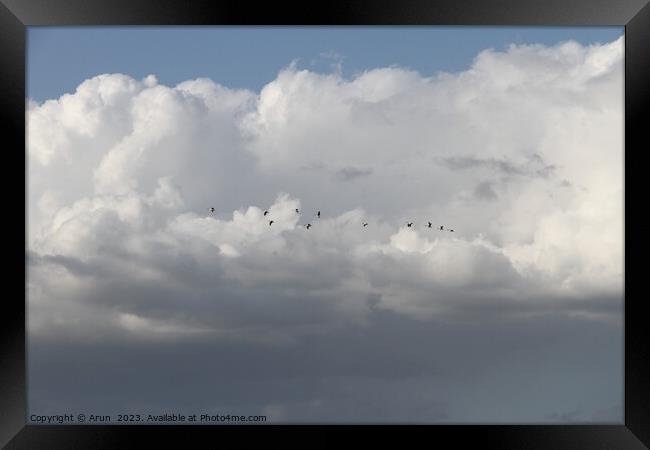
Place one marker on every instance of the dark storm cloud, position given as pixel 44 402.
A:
pixel 393 369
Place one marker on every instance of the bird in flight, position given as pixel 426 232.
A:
pixel 429 224
pixel 410 224
pixel 440 227
pixel 451 231
pixel 365 224
pixel 308 226
pixel 297 211
pixel 265 213
pixel 211 210
pixel 318 214
pixel 270 223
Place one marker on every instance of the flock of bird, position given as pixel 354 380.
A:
pixel 364 224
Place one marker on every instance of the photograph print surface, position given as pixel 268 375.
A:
pixel 325 225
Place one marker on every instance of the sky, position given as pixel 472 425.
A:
pixel 61 58
pixel 140 300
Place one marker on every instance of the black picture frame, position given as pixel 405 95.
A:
pixel 16 15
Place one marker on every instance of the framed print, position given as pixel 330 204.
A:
pixel 338 217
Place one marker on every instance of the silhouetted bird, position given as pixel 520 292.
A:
pixel 429 224
pixel 410 224
pixel 440 227
pixel 297 212
pixel 365 224
pixel 265 213
pixel 211 210
pixel 270 223
pixel 308 226
pixel 451 231
pixel 318 214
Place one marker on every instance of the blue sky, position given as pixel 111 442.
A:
pixel 59 59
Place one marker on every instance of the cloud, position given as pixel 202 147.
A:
pixel 121 245
pixel 351 173
pixel 485 191
pixel 534 167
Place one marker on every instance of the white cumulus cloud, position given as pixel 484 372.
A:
pixel 521 154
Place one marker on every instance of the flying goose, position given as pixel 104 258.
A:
pixel 265 213
pixel 270 223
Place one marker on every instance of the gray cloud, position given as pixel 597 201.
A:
pixel 395 370
pixel 535 167
pixel 485 191
pixel 352 173
pixel 469 162
pixel 318 166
